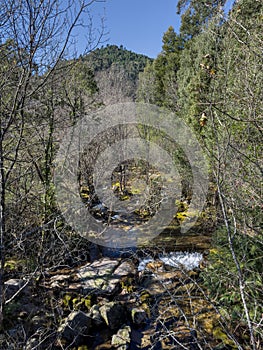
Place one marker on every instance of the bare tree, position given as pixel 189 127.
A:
pixel 35 37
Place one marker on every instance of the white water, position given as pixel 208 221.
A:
pixel 176 259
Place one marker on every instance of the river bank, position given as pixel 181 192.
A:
pixel 141 301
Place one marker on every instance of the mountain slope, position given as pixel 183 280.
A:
pixel 116 72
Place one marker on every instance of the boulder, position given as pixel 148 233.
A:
pixel 59 281
pixel 99 277
pixel 122 339
pixel 157 283
pixel 12 286
pixel 94 314
pixel 103 276
pixel 139 316
pixel 95 277
pixel 75 327
pixel 122 271
pixel 113 314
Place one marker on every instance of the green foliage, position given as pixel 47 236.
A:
pixel 217 89
pixel 221 279
pixel 211 74
pixel 172 43
pixel 157 82
pixel 116 71
pixel 146 91
pixel 198 67
pixel 195 14
pixel 105 57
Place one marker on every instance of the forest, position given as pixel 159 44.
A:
pixel 199 287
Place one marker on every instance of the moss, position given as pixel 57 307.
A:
pixel 220 335
pixel 124 197
pixel 127 285
pixel 12 264
pixel 66 300
pixel 145 297
pixel 146 308
pixel 76 302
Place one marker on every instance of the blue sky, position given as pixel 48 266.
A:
pixel 138 25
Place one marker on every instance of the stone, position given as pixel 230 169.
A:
pixel 122 339
pixel 94 314
pixel 139 316
pixel 113 314
pixel 103 276
pixel 157 283
pixel 75 327
pixel 95 276
pixel 12 286
pixel 59 281
pixel 100 277
pixel 123 270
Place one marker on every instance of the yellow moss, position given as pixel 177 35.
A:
pixel 87 303
pixel 207 322
pixel 144 296
pixel 125 198
pixel 219 334
pixel 84 192
pixel 78 302
pixel 136 191
pixel 213 251
pixel 142 212
pixel 70 301
pixel 146 308
pixel 66 300
pixel 181 206
pixel 181 216
pixel 75 302
pixel 115 186
pixel 11 264
pixel 127 285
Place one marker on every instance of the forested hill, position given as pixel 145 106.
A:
pixel 104 57
pixel 116 71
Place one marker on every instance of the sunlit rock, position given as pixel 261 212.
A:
pixel 113 314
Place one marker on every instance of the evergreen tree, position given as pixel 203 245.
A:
pixel 163 72
pixel 218 85
pixel 195 14
pixel 146 91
